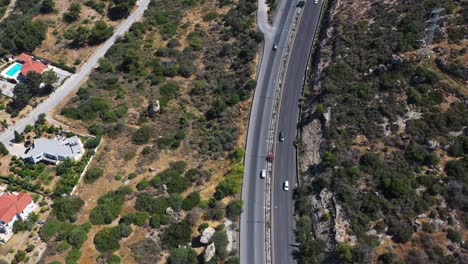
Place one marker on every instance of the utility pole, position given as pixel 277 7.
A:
pixel 432 24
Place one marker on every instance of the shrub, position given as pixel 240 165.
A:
pixel 92 142
pixel 234 209
pixel 155 221
pixel 100 32
pixel 149 203
pixel 221 241
pixel 210 16
pixel 183 256
pixel 47 6
pixel 146 150
pixel 177 184
pixel 93 174
pixel 77 237
pixel 138 218
pixel 454 235
pixel 73 13
pixel 107 239
pixel 191 201
pixel 65 208
pixel 109 206
pixel 177 234
pixel 143 184
pixel 142 135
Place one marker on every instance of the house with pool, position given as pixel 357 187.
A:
pixel 24 63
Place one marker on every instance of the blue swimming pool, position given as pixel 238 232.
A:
pixel 14 70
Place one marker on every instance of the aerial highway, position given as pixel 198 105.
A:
pixel 252 230
pixel 283 223
pixel 70 85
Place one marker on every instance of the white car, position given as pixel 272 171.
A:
pixel 315 1
pixel 286 186
pixel 263 174
pixel 275 47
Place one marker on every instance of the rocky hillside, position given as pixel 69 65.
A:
pixel 384 136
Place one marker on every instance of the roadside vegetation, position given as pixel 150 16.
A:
pixel 170 98
pixel 394 124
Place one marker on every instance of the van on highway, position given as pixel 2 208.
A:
pixel 286 186
pixel 263 174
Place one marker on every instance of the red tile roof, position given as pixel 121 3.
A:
pixel 33 65
pixel 24 57
pixel 11 204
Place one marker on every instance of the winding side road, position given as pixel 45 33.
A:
pixel 71 84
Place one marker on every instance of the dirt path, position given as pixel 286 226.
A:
pixel 10 8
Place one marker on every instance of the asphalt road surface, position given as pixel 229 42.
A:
pixel 252 237
pixel 72 83
pixel 283 223
pixel 252 234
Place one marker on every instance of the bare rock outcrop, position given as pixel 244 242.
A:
pixel 311 141
pixel 210 251
pixel 207 234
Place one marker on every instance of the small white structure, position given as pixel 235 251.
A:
pixel 12 208
pixel 54 150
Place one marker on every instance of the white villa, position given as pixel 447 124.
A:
pixel 54 150
pixel 12 208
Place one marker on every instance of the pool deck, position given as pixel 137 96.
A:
pixel 14 76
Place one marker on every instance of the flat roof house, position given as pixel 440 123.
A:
pixel 55 150
pixel 12 208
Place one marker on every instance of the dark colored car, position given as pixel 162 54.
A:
pixel 281 136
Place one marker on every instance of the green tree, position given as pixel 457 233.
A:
pixel 3 149
pixel 120 9
pixel 18 137
pixel 49 78
pixel 41 119
pixel 21 98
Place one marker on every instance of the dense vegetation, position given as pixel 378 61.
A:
pixel 399 171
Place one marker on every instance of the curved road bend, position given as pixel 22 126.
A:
pixel 283 225
pixel 252 233
pixel 70 85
